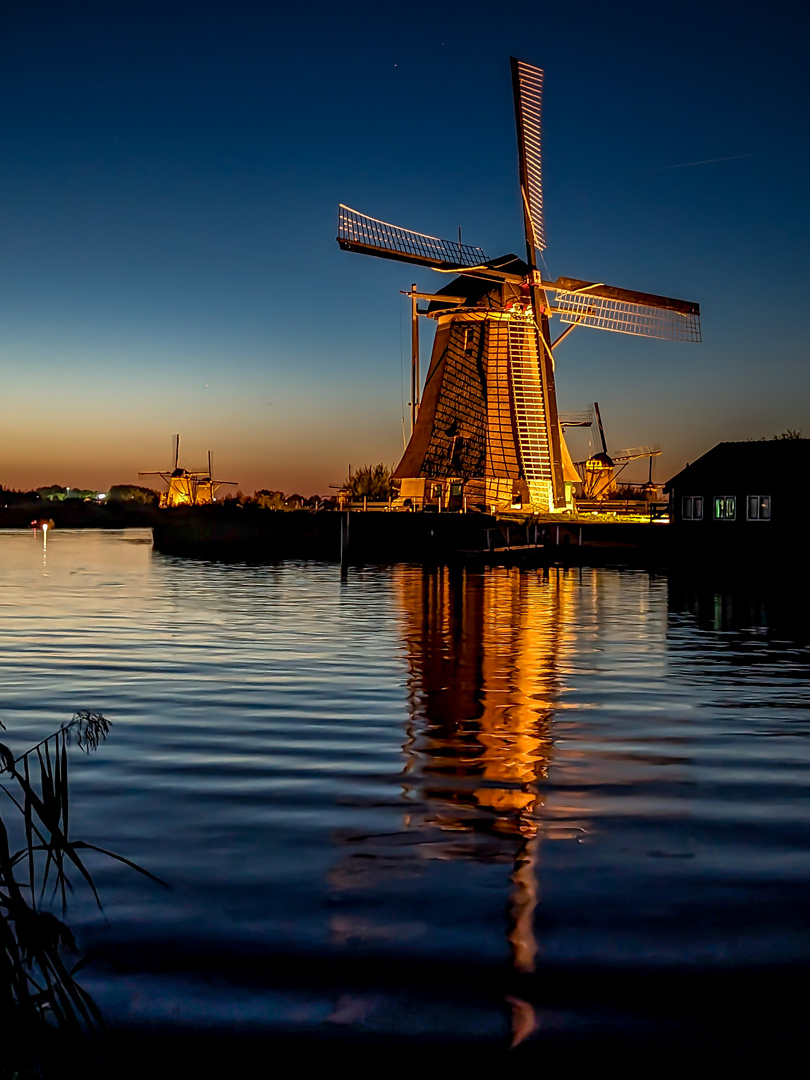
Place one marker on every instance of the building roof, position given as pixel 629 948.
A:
pixel 758 462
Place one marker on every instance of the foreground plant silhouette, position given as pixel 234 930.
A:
pixel 39 993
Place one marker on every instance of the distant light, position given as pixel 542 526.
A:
pixel 102 495
pixel 44 526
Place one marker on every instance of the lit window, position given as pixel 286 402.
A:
pixel 692 508
pixel 759 508
pixel 725 507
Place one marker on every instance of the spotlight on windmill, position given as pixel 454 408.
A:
pixel 187 487
pixel 487 424
pixel 599 472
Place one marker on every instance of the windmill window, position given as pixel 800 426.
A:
pixel 692 508
pixel 725 507
pixel 468 340
pixel 759 508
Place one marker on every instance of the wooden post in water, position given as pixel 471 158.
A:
pixel 344 544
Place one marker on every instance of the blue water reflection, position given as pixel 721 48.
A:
pixel 401 803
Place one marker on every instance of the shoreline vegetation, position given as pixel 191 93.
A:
pixel 45 1009
pixel 133 506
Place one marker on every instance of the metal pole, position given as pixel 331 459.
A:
pixel 414 359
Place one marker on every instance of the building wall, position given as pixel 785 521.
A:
pixel 708 493
pixel 482 415
pixel 502 454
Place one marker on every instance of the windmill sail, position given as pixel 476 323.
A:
pixel 369 236
pixel 487 429
pixel 625 312
pixel 527 87
pixel 527 83
pixel 636 452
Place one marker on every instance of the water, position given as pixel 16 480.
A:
pixel 492 807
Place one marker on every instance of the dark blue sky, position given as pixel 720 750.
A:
pixel 168 195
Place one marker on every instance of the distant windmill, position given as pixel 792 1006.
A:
pixel 187 488
pixel 599 471
pixel 488 417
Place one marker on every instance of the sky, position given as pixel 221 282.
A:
pixel 170 179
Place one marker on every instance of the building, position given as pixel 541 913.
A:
pixel 740 499
pixel 486 433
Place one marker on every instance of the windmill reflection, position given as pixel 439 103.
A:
pixel 483 652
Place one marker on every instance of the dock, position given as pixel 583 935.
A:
pixel 357 537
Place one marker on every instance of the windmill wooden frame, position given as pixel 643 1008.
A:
pixel 487 420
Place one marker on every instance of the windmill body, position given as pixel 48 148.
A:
pixel 482 421
pixel 187 487
pixel 487 427
pixel 599 472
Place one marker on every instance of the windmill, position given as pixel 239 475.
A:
pixel 598 472
pixel 487 422
pixel 187 488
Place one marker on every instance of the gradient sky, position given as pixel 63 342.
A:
pixel 168 202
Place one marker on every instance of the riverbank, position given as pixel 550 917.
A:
pixel 76 514
pixel 228 532
pixel 248 534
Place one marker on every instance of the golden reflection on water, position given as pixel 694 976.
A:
pixel 483 653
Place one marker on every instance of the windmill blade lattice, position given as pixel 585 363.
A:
pixel 370 236
pixel 528 86
pixel 636 452
pixel 583 418
pixel 606 308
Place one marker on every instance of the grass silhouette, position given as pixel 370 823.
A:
pixel 40 998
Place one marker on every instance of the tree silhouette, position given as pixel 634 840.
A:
pixel 788 433
pixel 371 481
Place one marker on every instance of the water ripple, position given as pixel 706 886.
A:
pixel 504 769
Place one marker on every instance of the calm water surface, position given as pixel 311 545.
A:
pixel 406 802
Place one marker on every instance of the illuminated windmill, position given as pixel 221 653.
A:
pixel 487 423
pixel 187 488
pixel 598 472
